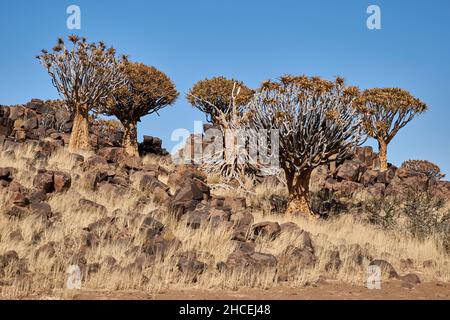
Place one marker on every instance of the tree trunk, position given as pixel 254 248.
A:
pixel 79 138
pixel 298 186
pixel 382 154
pixel 130 139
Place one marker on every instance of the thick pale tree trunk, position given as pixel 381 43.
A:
pixel 79 138
pixel 298 186
pixel 382 155
pixel 130 143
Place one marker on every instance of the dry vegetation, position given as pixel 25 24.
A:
pixel 47 275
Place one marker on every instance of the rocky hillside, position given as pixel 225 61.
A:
pixel 345 186
pixel 51 122
pixel 142 223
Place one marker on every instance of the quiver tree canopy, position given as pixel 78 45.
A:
pixel 84 74
pixel 385 112
pixel 214 96
pixel 317 124
pixel 147 91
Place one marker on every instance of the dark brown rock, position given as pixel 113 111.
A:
pixel 91 206
pixel 113 190
pixel 246 247
pixel 95 163
pixel 242 219
pixel 19 199
pixel 152 145
pixel 41 209
pixel 235 204
pixel 131 163
pixel 109 262
pixel 47 251
pixel 150 183
pixel 386 176
pixel 6 174
pixel 151 223
pixel 188 263
pixel 62 181
pixel 157 243
pixel 349 188
pixel 250 261
pixel 197 218
pixel 350 170
pixel 300 257
pixel 410 280
pixel 14 211
pixel 387 270
pixel 266 229
pixel 192 190
pixel 111 154
pixel 120 181
pixel 16 235
pixel 291 227
pixel 179 208
pixel 369 177
pixel 44 181
pixel 6 127
pixel 334 261
pixel 218 216
pixel 10 259
pixel 92 268
pixel 37 196
pixel 185 173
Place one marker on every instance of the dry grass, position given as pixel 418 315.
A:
pixel 48 274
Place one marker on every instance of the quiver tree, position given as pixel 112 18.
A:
pixel 222 101
pixel 213 97
pixel 84 76
pixel 147 91
pixel 425 167
pixel 385 112
pixel 228 145
pixel 317 124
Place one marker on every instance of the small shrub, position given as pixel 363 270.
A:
pixel 420 214
pixel 424 213
pixel 383 212
pixel 428 168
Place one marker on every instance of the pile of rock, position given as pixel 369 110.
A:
pixel 347 184
pixel 24 202
pixel 152 145
pixel 52 121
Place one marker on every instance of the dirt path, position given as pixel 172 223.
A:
pixel 328 291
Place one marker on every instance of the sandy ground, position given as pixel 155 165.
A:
pixel 325 291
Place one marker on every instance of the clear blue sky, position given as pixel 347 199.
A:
pixel 251 41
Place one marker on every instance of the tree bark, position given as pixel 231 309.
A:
pixel 298 186
pixel 382 155
pixel 79 138
pixel 129 142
